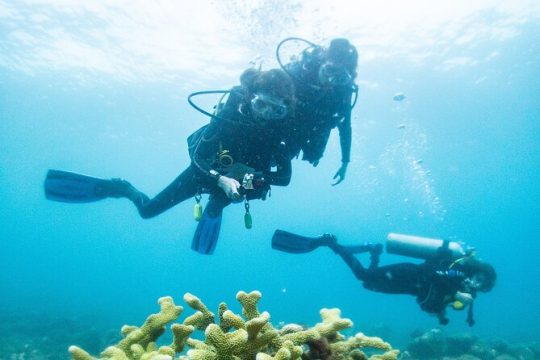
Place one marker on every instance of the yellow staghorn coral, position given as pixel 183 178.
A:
pixel 332 323
pixel 255 325
pixel 287 352
pixel 249 336
pixel 153 327
pixel 361 340
pixel 249 303
pixel 203 317
pixel 388 355
pixel 226 344
pixel 230 320
pixel 138 342
pixel 79 354
pixel 181 333
pixel 352 348
pixel 299 337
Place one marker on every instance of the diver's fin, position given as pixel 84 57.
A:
pixel 70 187
pixel 298 244
pixel 207 234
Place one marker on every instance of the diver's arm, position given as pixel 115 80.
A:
pixel 345 139
pixel 203 158
pixel 349 257
pixel 443 320
pixel 464 298
pixel 205 150
pixel 470 315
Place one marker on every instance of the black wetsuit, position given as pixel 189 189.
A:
pixel 431 282
pixel 234 135
pixel 318 110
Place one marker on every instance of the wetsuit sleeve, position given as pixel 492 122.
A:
pixel 345 135
pixel 204 154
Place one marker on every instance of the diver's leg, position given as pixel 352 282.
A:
pixel 400 278
pixel 348 256
pixel 207 233
pixel 217 202
pixel 375 251
pixel 182 188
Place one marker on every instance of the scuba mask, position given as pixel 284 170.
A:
pixel 335 75
pixel 269 107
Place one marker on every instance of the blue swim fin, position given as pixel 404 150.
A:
pixel 298 244
pixel 207 234
pixel 70 187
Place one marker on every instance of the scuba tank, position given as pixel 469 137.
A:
pixel 420 247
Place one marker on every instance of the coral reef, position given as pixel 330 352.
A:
pixel 249 336
pixel 30 335
pixel 434 344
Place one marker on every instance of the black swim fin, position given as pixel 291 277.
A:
pixel 298 244
pixel 71 187
pixel 207 233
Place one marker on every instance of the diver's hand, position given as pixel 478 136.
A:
pixel 230 186
pixel 340 174
pixel 464 297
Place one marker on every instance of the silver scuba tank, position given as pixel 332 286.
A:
pixel 419 247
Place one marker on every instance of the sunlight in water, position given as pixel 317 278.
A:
pixel 161 41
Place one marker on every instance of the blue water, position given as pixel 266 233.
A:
pixel 458 158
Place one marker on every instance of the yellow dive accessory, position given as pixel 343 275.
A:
pixel 197 209
pixel 458 305
pixel 225 159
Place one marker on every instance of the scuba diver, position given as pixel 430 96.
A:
pixel 449 276
pixel 234 158
pixel 324 82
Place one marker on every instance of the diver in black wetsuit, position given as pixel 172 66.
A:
pixel 237 156
pixel 440 281
pixel 245 136
pixel 324 82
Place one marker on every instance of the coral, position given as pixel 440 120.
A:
pixel 139 343
pixel 462 357
pixel 249 336
pixel 428 345
pixel 460 344
pixel 351 348
pixel 433 344
pixel 203 317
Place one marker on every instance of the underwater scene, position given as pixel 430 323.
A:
pixel 264 179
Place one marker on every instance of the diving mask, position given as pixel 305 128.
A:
pixel 335 75
pixel 269 107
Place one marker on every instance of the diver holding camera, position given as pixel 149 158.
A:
pixel 244 137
